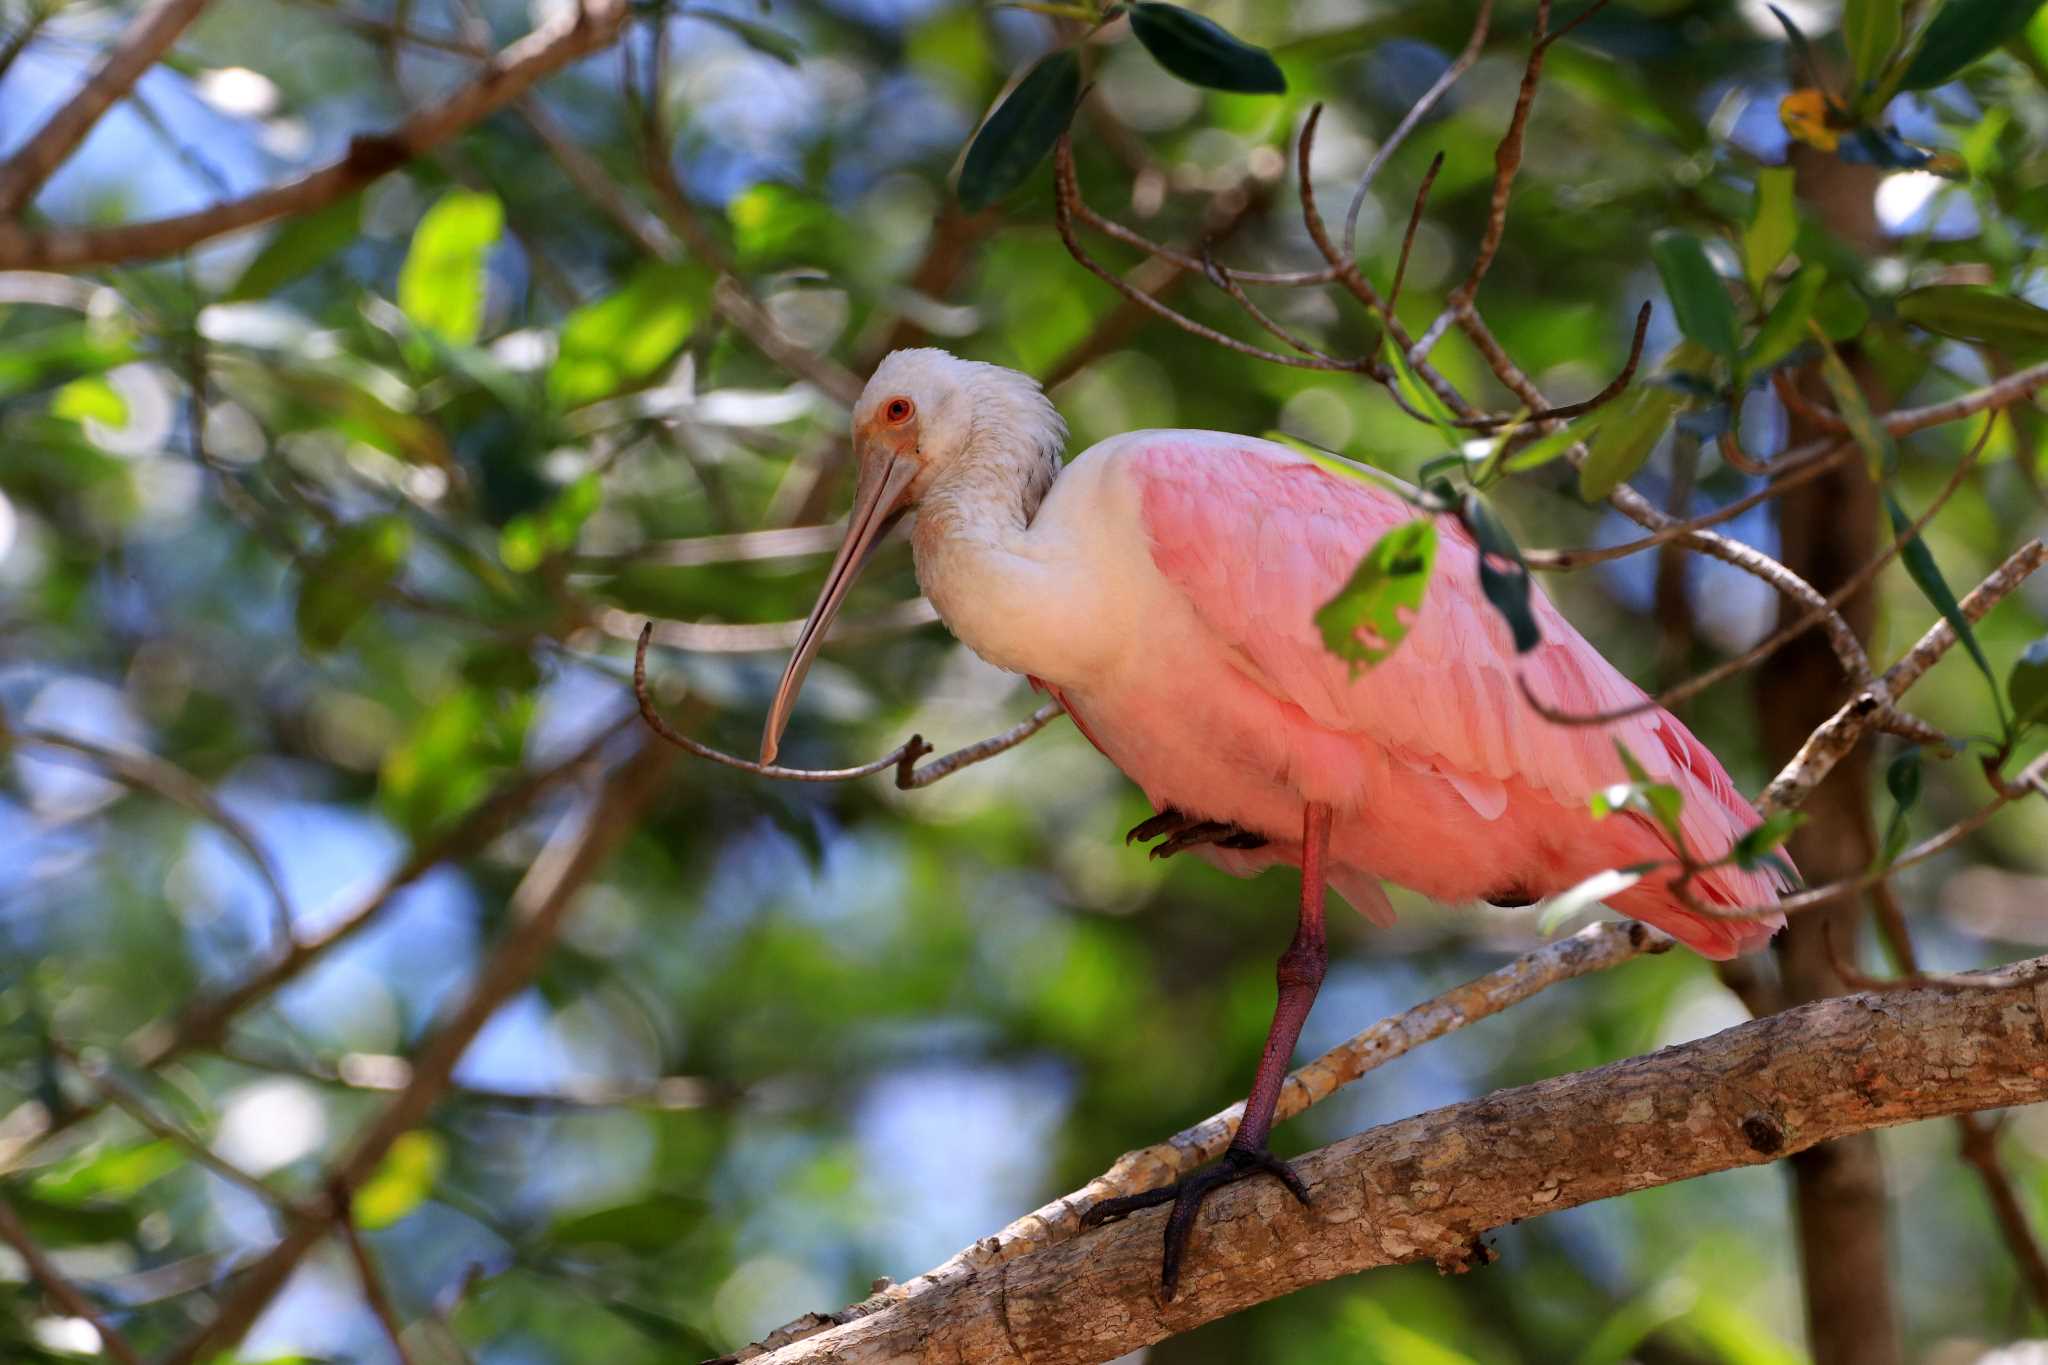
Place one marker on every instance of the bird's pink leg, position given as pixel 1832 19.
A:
pixel 1299 975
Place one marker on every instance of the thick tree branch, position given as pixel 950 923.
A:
pixel 1428 1187
pixel 589 26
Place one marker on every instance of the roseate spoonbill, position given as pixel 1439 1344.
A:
pixel 1162 586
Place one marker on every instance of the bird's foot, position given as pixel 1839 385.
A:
pixel 1186 1196
pixel 1184 832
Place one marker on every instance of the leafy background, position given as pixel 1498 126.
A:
pixel 463 431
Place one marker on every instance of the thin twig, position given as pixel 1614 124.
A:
pixel 61 1289
pixel 366 1272
pixel 1436 163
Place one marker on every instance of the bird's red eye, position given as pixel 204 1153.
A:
pixel 898 410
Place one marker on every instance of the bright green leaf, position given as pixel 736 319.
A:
pixel 1021 131
pixel 1371 614
pixel 1201 52
pixel 1773 225
pixel 90 397
pixel 1961 32
pixel 1698 297
pixel 1601 886
pixel 1785 328
pixel 1927 576
pixel 529 539
pixel 625 337
pixel 1544 449
pixel 402 1180
pixel 2027 684
pixel 1635 422
pixel 299 246
pixel 1879 452
pixel 1752 848
pixel 1871 29
pixel 441 285
pixel 338 586
pixel 1973 313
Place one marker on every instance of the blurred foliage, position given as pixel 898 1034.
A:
pixel 352 519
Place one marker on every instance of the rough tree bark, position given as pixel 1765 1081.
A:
pixel 1426 1188
pixel 1830 529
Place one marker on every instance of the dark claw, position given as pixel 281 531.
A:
pixel 1187 837
pixel 1186 1196
pixel 1184 833
pixel 1148 830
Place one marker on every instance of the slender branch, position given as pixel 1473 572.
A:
pixel 69 1295
pixel 903 758
pixel 160 777
pixel 586 27
pixel 1436 164
pixel 147 37
pixel 366 1272
pixel 1592 949
pixel 1427 1188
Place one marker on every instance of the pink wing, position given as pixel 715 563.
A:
pixel 1259 539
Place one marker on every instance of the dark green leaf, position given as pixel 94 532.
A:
pixel 1871 30
pixel 1773 225
pixel 1961 32
pixel 1879 452
pixel 1626 436
pixel 441 285
pixel 1021 131
pixel 1698 298
pixel 761 37
pixel 1201 52
pixel 1841 311
pixel 299 246
pixel 340 584
pixel 1371 614
pixel 1752 848
pixel 1503 576
pixel 649 1224
pixel 2027 684
pixel 625 337
pixel 1785 328
pixel 1927 576
pixel 1973 313
pixel 1902 780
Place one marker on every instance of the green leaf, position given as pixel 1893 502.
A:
pixel 761 37
pixel 110 1173
pixel 1871 29
pixel 1503 575
pixel 1974 313
pixel 625 337
pixel 651 1224
pixel 1927 576
pixel 1840 311
pixel 1202 52
pixel 1544 449
pixel 1698 298
pixel 90 397
pixel 529 539
pixel 1021 131
pixel 1420 396
pixel 1773 225
pixel 1753 848
pixel 339 585
pixel 401 1182
pixel 1371 614
pixel 1601 886
pixel 2027 684
pixel 299 246
pixel 1635 422
pixel 1879 452
pixel 1641 793
pixel 1902 780
pixel 441 285
pixel 1961 32
pixel 1785 327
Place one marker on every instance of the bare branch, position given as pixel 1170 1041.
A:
pixel 1426 1188
pixel 366 1271
pixel 147 36
pixel 588 26
pixel 61 1289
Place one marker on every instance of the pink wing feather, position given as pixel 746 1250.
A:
pixel 1448 693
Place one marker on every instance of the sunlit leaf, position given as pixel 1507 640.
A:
pixel 1201 52
pixel 1544 449
pixel 1960 33
pixel 1642 794
pixel 1758 844
pixel 338 586
pixel 1786 326
pixel 529 539
pixel 1634 424
pixel 109 1173
pixel 625 337
pixel 1560 909
pixel 441 285
pixel 1698 297
pixel 1927 576
pixel 300 245
pixel 1974 313
pixel 1371 614
pixel 2027 684
pixel 1021 131
pixel 402 1180
pixel 1773 225
pixel 1879 452
pixel 90 397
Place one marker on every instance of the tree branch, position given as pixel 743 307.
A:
pixel 1427 1188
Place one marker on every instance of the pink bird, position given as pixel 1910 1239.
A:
pixel 1163 586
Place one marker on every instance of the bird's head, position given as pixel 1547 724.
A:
pixel 928 423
